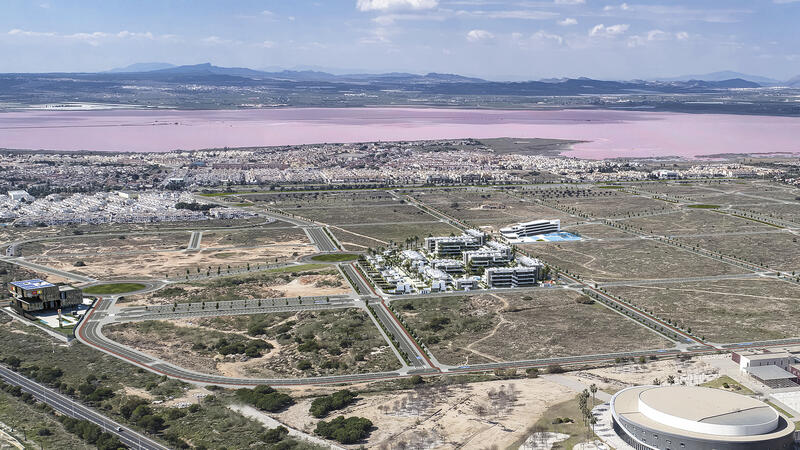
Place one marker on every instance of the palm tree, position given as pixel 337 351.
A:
pixel 593 390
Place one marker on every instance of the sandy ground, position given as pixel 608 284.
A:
pixel 470 416
pixel 157 264
pixel 611 379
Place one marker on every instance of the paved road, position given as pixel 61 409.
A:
pixel 321 239
pixel 50 270
pixel 71 408
pixel 355 279
pixel 416 357
pixel 194 240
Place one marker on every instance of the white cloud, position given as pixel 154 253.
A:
pixel 542 35
pixel 656 35
pixel 613 30
pixel 621 7
pixel 682 35
pixel 267 44
pixel 216 40
pixel 395 5
pixel 567 22
pixel 479 36
pixel 94 38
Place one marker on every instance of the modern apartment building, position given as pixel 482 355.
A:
pixel 500 277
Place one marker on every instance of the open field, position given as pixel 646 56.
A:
pixel 776 250
pixel 690 221
pixel 122 243
pixel 508 327
pixel 307 343
pixel 726 310
pixel 290 200
pixel 469 416
pixel 175 264
pixel 616 205
pixel 364 214
pixel 398 232
pixel 303 280
pixel 623 260
pixel 486 208
pixel 28 419
pixel 785 211
pixel 599 231
pixel 252 237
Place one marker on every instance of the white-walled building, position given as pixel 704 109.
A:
pixel 531 228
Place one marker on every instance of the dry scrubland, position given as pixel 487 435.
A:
pixel 628 260
pixel 253 237
pixel 617 204
pixel 501 209
pixel 693 221
pixel 469 416
pixel 726 310
pixel 776 250
pixel 363 237
pixel 115 244
pixel 507 327
pixel 175 264
pixel 303 280
pixel 308 343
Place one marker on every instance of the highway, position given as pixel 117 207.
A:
pixel 321 239
pixel 41 268
pixel 71 408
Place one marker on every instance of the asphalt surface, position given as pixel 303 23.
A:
pixel 321 239
pixel 41 268
pixel 404 341
pixel 194 240
pixel 71 408
pixel 355 279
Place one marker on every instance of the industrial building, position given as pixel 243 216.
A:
pixel 531 228
pixel 697 418
pixel 772 369
pixel 38 295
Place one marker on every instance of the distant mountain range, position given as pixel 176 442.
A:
pixel 207 70
pixel 722 79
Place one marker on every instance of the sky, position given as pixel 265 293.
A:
pixel 493 39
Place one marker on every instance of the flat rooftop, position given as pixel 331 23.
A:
pixel 769 373
pixel 32 284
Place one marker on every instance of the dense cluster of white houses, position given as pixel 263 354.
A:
pixel 467 262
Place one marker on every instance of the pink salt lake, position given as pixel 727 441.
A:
pixel 608 133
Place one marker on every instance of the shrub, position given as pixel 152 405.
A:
pixel 345 431
pixel 321 406
pixel 265 398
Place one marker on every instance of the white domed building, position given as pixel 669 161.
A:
pixel 697 418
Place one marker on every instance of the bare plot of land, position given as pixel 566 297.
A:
pixel 303 280
pixel 175 264
pixel 690 221
pixel 695 189
pixel 730 199
pixel 598 231
pixel 628 260
pixel 321 199
pixel 508 327
pixel 465 416
pixel 617 205
pixel 308 343
pixel 725 310
pixel 252 237
pixel 776 250
pixel 786 211
pixel 358 214
pixel 124 242
pixel 397 232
